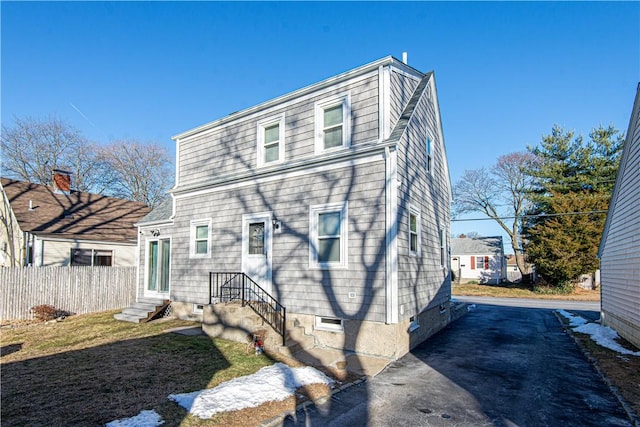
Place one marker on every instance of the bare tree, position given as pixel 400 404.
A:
pixel 33 148
pixel 500 193
pixel 137 171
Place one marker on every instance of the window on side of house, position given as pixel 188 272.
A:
pixel 271 140
pixel 200 239
pixel 481 262
pixel 91 257
pixel 414 231
pixel 429 156
pixel 328 236
pixel 333 123
pixel 443 248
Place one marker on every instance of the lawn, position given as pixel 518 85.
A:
pixel 518 290
pixel 91 369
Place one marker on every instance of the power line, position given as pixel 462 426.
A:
pixel 532 216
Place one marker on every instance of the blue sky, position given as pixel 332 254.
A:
pixel 506 72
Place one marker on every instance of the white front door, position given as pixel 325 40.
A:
pixel 256 248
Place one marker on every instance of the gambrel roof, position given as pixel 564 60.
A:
pixel 42 211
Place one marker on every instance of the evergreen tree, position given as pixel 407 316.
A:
pixel 573 183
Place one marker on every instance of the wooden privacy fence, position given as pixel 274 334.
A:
pixel 75 289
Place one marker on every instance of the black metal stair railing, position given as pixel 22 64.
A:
pixel 228 287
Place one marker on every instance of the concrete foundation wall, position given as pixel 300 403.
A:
pixel 233 322
pixel 625 329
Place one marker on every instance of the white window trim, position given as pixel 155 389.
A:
pixel 414 323
pixel 428 147
pixel 319 107
pixel 443 249
pixel 192 238
pixel 331 326
pixel 262 125
pixel 413 210
pixel 314 211
pixel 146 263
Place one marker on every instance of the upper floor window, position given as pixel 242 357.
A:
pixel 333 123
pixel 328 235
pixel 200 239
pixel 429 156
pixel 271 140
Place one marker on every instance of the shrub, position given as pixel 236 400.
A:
pixel 46 312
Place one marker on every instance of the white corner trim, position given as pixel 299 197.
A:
pixel 391 219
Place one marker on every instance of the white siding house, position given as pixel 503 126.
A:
pixel 619 250
pixel 333 198
pixel 48 226
pixel 478 258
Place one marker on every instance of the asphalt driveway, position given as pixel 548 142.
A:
pixel 496 366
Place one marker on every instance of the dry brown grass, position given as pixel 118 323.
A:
pixel 517 290
pixel 90 369
pixel 622 371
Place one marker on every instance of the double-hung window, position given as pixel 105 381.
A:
pixel 414 231
pixel 328 235
pixel 271 140
pixel 333 123
pixel 200 239
pixel 429 156
pixel 443 248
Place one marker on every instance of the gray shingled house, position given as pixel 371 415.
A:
pixel 329 204
pixel 619 250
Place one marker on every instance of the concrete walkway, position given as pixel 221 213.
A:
pixel 496 366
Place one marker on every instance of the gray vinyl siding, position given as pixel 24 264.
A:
pixel 422 282
pixel 402 88
pixel 300 288
pixel 620 255
pixel 231 149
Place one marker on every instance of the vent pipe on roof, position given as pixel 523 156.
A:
pixel 404 57
pixel 30 205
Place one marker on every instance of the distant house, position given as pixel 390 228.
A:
pixel 56 226
pixel 478 258
pixel 331 201
pixel 619 250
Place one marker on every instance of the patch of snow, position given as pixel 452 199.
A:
pixel 601 335
pixel 573 320
pixel 271 383
pixel 148 418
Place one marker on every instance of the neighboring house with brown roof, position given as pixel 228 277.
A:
pixel 56 226
pixel 619 250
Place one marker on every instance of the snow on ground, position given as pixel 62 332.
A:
pixel 602 335
pixel 271 383
pixel 143 419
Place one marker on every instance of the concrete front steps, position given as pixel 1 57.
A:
pixel 142 310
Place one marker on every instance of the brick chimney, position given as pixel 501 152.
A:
pixel 61 181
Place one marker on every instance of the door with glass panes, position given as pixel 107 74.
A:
pixel 256 249
pixel 158 268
